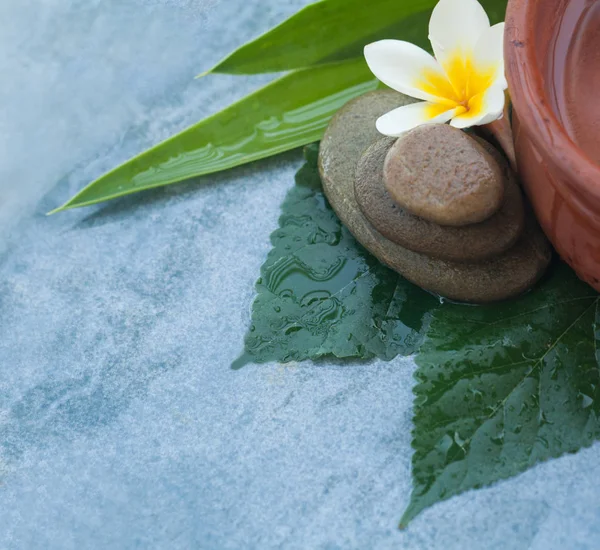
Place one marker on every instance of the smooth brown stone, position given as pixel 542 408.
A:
pixel 443 175
pixel 350 132
pixel 469 243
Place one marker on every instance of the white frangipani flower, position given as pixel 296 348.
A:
pixel 463 84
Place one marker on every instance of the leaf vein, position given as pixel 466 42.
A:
pixel 536 365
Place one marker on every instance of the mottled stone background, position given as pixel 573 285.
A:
pixel 121 423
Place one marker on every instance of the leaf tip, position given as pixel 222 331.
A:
pixel 202 75
pixel 241 361
pixel 57 210
pixel 409 514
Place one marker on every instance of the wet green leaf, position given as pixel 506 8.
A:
pixel 500 387
pixel 335 30
pixel 320 293
pixel 288 113
pixel 324 41
pixel 503 387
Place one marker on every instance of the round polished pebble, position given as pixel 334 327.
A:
pixel 443 175
pixel 469 243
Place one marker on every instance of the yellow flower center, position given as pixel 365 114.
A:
pixel 461 87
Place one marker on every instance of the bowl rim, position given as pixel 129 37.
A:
pixel 531 103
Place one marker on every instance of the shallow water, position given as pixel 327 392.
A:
pixel 575 72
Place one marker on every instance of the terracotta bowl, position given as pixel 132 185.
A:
pixel 562 182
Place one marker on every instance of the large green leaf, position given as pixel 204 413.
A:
pixel 500 387
pixel 503 387
pixel 290 112
pixel 320 293
pixel 335 30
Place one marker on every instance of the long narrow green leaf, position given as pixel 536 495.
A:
pixel 317 32
pixel 288 113
pixel 334 30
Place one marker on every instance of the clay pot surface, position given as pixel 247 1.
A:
pixel 562 181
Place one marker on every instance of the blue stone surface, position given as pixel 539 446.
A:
pixel 121 423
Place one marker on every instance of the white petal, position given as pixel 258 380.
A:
pixel 487 107
pixel 455 27
pixel 402 66
pixel 489 54
pixel 401 120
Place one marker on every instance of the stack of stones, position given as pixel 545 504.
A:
pixel 438 205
